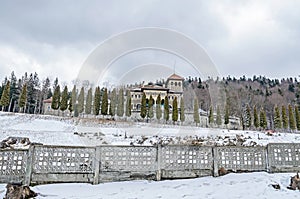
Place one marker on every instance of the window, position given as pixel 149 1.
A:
pixel 179 84
pixel 171 83
pixel 175 83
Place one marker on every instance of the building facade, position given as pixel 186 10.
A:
pixel 172 88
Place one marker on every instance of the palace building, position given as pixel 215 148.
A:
pixel 172 88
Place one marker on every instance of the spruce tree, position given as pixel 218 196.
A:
pixel 104 104
pixel 291 118
pixel 56 98
pixel 64 100
pixel 175 110
pixel 4 101
pixel 97 97
pixel 182 115
pixel 23 98
pixel 128 104
pixel 277 119
pixel 158 108
pixel 143 106
pixel 211 115
pixel 81 101
pixel 120 107
pixel 297 117
pixel 113 102
pixel 196 112
pixel 255 117
pixel 262 119
pixel 150 107
pixel 89 101
pixel 248 118
pixel 166 109
pixel 219 117
pixel 284 117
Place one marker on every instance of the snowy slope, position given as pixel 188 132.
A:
pixel 231 186
pixel 53 130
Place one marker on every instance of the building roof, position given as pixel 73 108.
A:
pixel 48 100
pixel 175 77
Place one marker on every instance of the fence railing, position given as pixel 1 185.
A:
pixel 49 164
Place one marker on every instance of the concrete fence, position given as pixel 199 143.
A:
pixel 50 164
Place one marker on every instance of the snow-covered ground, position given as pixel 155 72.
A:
pixel 51 130
pixel 246 186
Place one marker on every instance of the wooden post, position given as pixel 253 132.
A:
pixel 97 165
pixel 158 156
pixel 29 165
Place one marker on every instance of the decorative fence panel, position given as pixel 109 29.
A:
pixel 186 161
pixel 13 165
pixel 284 157
pixel 240 158
pixel 54 162
pixel 48 164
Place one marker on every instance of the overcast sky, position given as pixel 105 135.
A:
pixel 54 38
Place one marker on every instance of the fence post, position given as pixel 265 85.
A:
pixel 29 165
pixel 158 156
pixel 97 165
pixel 215 161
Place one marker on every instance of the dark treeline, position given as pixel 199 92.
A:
pixel 248 98
pixel 259 102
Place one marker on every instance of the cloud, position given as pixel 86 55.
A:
pixel 244 37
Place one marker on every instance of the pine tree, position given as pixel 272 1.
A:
pixel 248 118
pixel 182 115
pixel 219 117
pixel 81 101
pixel 196 112
pixel 284 117
pixel 128 104
pixel 158 108
pixel 70 105
pixel 120 107
pixel 4 101
pixel 291 118
pixel 175 110
pixel 262 119
pixel 277 119
pixel 113 103
pixel 255 117
pixel 64 100
pixel 166 109
pixel 23 98
pixel 97 97
pixel 13 94
pixel 56 98
pixel 226 116
pixel 211 115
pixel 297 117
pixel 143 106
pixel 104 104
pixel 150 107
pixel 74 96
pixel 89 101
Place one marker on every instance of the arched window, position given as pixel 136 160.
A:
pixel 179 84
pixel 175 83
pixel 171 83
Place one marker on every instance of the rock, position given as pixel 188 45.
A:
pixel 275 186
pixel 295 182
pixel 14 191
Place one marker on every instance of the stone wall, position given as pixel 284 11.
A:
pixel 51 164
